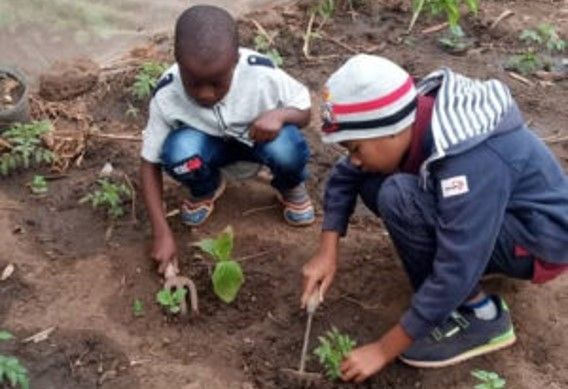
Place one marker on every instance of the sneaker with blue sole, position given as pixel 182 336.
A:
pixel 461 337
pixel 196 212
pixel 298 208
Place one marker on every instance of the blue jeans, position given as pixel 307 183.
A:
pixel 409 213
pixel 203 154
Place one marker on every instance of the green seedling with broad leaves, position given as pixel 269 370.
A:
pixel 146 79
pixel 38 185
pixel 545 35
pixel 526 63
pixel 451 8
pixel 264 46
pixel 25 146
pixel 12 372
pixel 227 276
pixel 332 349
pixel 137 308
pixel 110 196
pixel 171 299
pixel 488 380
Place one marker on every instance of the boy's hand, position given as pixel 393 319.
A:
pixel 321 268
pixel 267 126
pixel 164 251
pixel 363 362
pixel 370 359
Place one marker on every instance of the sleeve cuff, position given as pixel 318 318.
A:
pixel 335 222
pixel 414 325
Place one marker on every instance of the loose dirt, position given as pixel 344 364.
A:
pixel 69 275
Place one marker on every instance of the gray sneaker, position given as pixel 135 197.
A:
pixel 461 337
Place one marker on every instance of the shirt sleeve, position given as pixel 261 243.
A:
pixel 472 191
pixel 157 129
pixel 340 196
pixel 293 94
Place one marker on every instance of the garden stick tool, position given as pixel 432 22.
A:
pixel 301 374
pixel 173 282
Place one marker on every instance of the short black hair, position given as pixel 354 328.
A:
pixel 205 32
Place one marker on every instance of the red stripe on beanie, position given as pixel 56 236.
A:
pixel 371 105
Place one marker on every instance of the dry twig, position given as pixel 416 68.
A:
pixel 436 28
pixel 307 37
pixel 504 15
pixel 259 209
pixel 518 77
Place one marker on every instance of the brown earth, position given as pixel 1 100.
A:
pixel 70 275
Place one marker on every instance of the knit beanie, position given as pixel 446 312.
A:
pixel 367 97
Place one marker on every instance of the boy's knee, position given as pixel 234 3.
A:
pixel 394 195
pixel 289 151
pixel 181 145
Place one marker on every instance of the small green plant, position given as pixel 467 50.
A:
pixel 110 196
pixel 26 146
pixel 146 79
pixel 264 46
pixel 332 349
pixel 12 372
pixel 455 40
pixel 451 8
pixel 325 9
pixel 545 35
pixel 227 276
pixel 526 63
pixel 38 185
pixel 137 308
pixel 488 380
pixel 171 300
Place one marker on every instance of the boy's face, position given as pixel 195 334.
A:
pixel 208 81
pixel 379 155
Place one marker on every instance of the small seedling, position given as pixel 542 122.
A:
pixel 12 372
pixel 488 380
pixel 110 196
pixel 455 41
pixel 25 146
pixel 227 276
pixel 526 63
pixel 38 186
pixel 332 349
pixel 263 45
pixel 545 35
pixel 138 308
pixel 171 300
pixel 146 79
pixel 451 8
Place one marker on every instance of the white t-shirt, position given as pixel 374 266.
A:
pixel 256 87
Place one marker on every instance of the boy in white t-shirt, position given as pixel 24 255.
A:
pixel 217 105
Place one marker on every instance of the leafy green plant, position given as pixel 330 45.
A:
pixel 325 9
pixel 25 146
pixel 110 196
pixel 147 78
pixel 545 35
pixel 12 372
pixel 137 308
pixel 227 276
pixel 264 46
pixel 332 349
pixel 525 63
pixel 451 8
pixel 488 380
pixel 38 185
pixel 455 41
pixel 171 300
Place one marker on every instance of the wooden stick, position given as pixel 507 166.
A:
pixel 555 140
pixel 259 209
pixel 263 31
pixel 436 28
pixel 307 36
pixel 504 15
pixel 520 78
pixel 340 44
pixel 252 256
pixel 131 138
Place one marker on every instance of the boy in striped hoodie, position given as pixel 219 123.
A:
pixel 463 187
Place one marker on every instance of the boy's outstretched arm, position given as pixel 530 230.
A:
pixel 267 126
pixel 164 249
pixel 371 358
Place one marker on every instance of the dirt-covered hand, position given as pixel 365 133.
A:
pixel 267 126
pixel 363 362
pixel 164 251
pixel 320 270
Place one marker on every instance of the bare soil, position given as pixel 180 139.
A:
pixel 71 274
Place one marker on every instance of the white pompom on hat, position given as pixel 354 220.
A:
pixel 367 97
